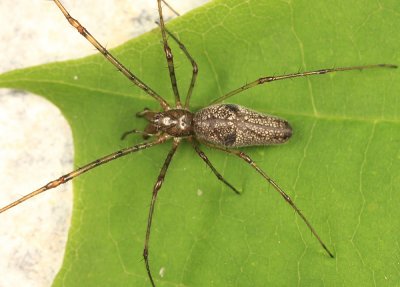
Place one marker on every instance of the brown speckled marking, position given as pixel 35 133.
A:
pixel 230 125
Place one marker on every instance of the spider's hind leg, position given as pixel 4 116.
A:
pixel 285 196
pixel 214 170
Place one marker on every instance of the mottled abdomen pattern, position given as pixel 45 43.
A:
pixel 230 125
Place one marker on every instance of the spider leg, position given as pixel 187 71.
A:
pixel 170 8
pixel 169 57
pixel 195 69
pixel 285 196
pixel 85 168
pixel 85 33
pixel 269 79
pixel 207 161
pixel 156 188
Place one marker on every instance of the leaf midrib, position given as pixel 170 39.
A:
pixel 145 98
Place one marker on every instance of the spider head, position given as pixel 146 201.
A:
pixel 175 122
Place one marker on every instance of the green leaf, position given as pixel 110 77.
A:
pixel 342 166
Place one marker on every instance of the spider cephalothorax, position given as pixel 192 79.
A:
pixel 174 122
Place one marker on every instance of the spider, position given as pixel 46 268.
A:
pixel 222 126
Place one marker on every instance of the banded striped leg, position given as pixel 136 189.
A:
pixel 195 69
pixel 269 79
pixel 170 8
pixel 247 159
pixel 85 33
pixel 207 161
pixel 169 57
pixel 85 168
pixel 156 188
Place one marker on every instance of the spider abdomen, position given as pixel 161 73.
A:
pixel 229 125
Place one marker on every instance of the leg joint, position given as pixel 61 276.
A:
pixel 168 53
pixel 145 254
pixel 195 67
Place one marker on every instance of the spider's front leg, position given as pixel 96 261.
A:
pixel 156 189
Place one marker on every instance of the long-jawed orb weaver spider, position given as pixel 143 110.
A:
pixel 221 126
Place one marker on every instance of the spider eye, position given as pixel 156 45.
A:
pixel 182 123
pixel 166 121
